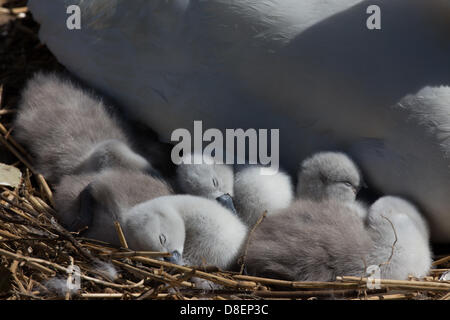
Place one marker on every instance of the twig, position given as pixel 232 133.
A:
pixel 398 296
pixel 393 245
pixel 118 295
pixel 401 284
pixel 297 284
pixel 14 11
pixel 123 241
pixel 135 254
pixel 31 262
pixel 5 132
pixel 212 277
pixel 151 275
pixel 16 153
pixel 244 256
pixel 441 261
pixel 46 189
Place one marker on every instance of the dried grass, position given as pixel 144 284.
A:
pixel 36 252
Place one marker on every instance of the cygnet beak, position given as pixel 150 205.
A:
pixel 174 258
pixel 227 201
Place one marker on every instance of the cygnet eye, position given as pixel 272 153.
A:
pixel 348 184
pixel 351 186
pixel 215 182
pixel 162 239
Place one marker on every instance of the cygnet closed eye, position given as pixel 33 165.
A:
pixel 206 179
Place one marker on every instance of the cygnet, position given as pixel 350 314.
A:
pixel 411 254
pixel 309 241
pixel 213 235
pixel 331 175
pixel 328 175
pixel 97 200
pixel 69 130
pixel 206 178
pixel 255 193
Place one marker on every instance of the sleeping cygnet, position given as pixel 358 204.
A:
pixel 68 130
pixel 97 200
pixel 207 179
pixel 309 241
pixel 328 176
pixel 411 254
pixel 213 235
pixel 255 193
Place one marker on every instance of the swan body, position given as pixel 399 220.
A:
pixel 310 68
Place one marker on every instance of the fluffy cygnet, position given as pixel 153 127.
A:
pixel 69 130
pixel 309 241
pixel 328 175
pixel 207 179
pixel 255 193
pixel 214 235
pixel 412 254
pixel 96 200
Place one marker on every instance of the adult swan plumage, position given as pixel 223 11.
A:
pixel 311 68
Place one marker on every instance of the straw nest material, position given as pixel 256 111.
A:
pixel 38 257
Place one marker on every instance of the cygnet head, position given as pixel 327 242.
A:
pixel 328 175
pixel 207 179
pixel 150 228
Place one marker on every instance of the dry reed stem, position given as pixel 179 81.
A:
pixel 398 296
pixel 297 284
pixel 152 275
pixel 201 274
pixel 127 254
pixel 14 11
pixel 441 261
pixel 10 139
pixel 402 284
pixel 5 142
pixel 446 297
pixel 45 188
pixel 32 262
pixel 123 241
pixel 118 295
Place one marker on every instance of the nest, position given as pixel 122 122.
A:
pixel 39 258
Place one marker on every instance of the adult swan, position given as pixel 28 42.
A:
pixel 309 67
